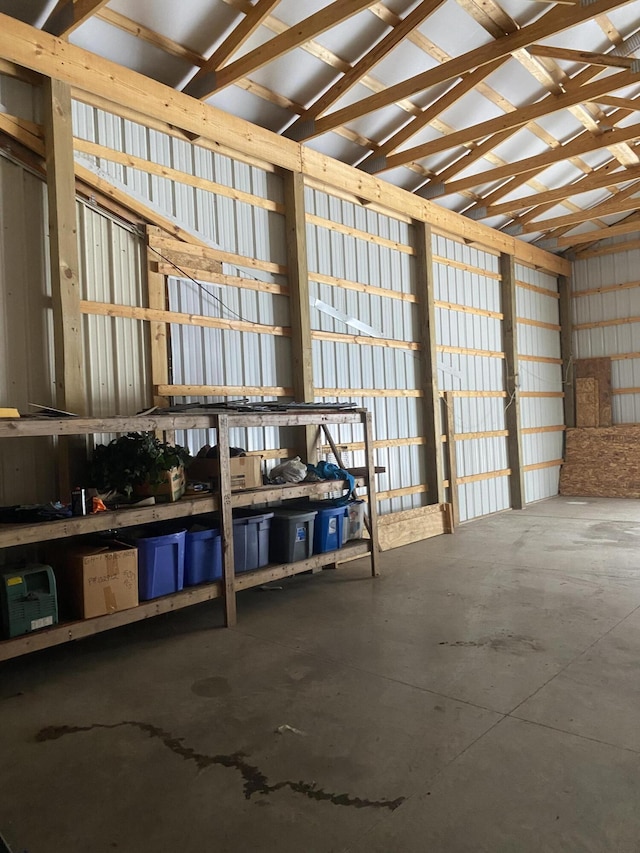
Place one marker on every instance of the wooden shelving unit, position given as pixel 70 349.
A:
pixel 225 501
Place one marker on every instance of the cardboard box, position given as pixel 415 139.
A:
pixel 245 471
pixel 96 580
pixel 170 489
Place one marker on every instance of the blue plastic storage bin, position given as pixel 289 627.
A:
pixel 328 527
pixel 160 564
pixel 251 541
pixel 202 556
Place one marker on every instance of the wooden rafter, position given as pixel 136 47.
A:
pixel 293 37
pixel 554 21
pixel 616 205
pixel 200 85
pixel 627 227
pixel 556 196
pixel 302 128
pixel 515 119
pixel 583 56
pixel 582 144
pixel 68 15
pixel 467 84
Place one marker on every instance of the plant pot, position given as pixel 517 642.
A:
pixel 171 488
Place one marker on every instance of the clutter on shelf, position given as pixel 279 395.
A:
pixel 139 463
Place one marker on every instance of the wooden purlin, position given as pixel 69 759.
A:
pixel 43 53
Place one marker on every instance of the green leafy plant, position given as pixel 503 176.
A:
pixel 133 459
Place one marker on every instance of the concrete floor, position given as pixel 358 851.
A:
pixel 482 695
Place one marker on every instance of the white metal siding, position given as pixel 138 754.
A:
pixel 461 372
pixel 616 341
pixel 352 365
pixel 116 349
pixel 539 377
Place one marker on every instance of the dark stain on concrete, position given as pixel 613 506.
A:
pixel 513 643
pixel 211 687
pixel 255 781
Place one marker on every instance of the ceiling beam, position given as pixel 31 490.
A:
pixel 126 90
pixel 302 129
pixel 583 144
pixel 515 119
pixel 627 227
pixel 583 56
pixel 68 15
pixel 201 82
pixel 557 20
pixel 631 104
pixel 291 38
pixel 376 159
pixel 608 208
pixel 557 196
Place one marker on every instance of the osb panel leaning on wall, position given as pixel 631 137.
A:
pixel 602 462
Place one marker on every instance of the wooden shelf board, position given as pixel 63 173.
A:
pixel 27 534
pixel 350 551
pixel 67 631
pixel 15 427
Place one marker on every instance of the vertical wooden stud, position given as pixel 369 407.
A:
pixel 226 515
pixel 452 464
pixel 65 281
pixel 301 348
pixel 429 365
pixel 566 351
pixel 512 383
pixel 157 298
pixel 371 493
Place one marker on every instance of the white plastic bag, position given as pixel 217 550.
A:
pixel 291 471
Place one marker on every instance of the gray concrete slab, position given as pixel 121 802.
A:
pixel 521 789
pixel 480 696
pixel 598 695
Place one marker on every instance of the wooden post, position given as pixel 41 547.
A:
pixel 428 363
pixel 226 517
pixel 450 431
pixel 371 494
pixel 566 351
pixel 65 282
pixel 512 382
pixel 301 347
pixel 157 298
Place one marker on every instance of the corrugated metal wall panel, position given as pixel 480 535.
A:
pixel 539 377
pixel 27 469
pixel 20 99
pixel 616 341
pixel 360 366
pixel 116 349
pixel 207 356
pixel 469 278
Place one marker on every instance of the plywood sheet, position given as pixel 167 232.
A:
pixel 599 369
pixel 587 408
pixel 413 525
pixel 602 462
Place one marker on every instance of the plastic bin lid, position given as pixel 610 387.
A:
pixel 257 518
pixel 300 514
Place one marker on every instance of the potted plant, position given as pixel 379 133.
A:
pixel 140 463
